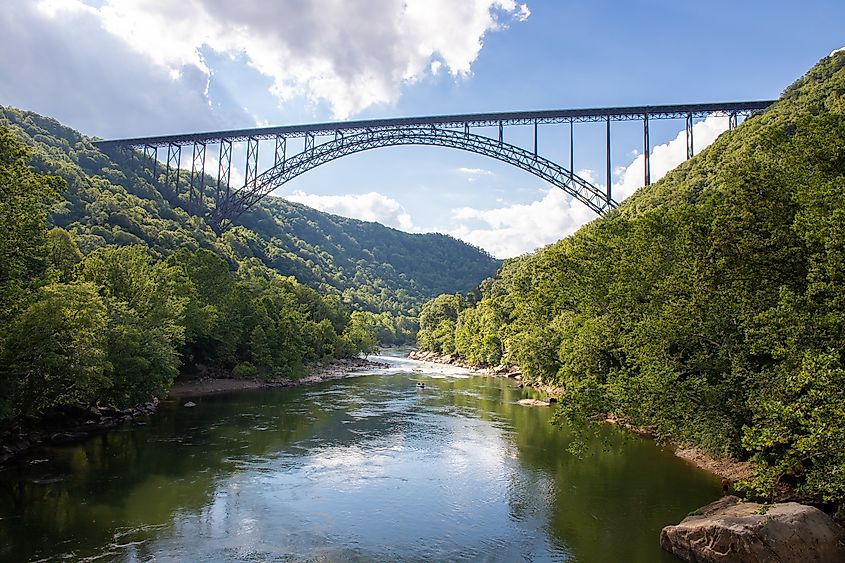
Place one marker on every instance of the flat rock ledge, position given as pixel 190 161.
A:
pixel 730 530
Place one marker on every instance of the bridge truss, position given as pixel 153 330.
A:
pixel 324 142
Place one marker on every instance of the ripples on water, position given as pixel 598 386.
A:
pixel 367 468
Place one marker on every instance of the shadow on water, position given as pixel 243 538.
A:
pixel 357 469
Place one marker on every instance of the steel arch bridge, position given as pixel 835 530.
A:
pixel 220 204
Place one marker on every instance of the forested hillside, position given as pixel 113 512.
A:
pixel 709 307
pixel 126 290
pixel 116 325
pixel 369 267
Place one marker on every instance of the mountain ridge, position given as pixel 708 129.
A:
pixel 111 199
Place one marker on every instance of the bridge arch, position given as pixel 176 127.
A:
pixel 316 155
pixel 349 137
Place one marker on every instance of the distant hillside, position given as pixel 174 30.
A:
pixel 369 266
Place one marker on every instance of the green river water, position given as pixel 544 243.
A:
pixel 361 469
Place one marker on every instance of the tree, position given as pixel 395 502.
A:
pixel 24 199
pixel 64 253
pixel 55 351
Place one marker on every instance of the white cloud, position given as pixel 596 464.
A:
pixel 371 206
pixel 667 156
pixel 473 174
pixel 351 55
pixel 60 62
pixel 475 171
pixel 512 230
pixel 516 229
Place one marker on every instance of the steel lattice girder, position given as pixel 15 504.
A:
pixel 472 120
pixel 571 183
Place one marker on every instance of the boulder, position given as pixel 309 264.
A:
pixel 735 531
pixel 533 403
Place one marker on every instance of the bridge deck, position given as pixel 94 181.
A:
pixel 630 113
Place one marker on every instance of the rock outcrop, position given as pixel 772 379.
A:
pixel 735 531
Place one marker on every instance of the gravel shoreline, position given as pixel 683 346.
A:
pixel 336 369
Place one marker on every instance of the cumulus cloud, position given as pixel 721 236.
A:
pixel 665 157
pixel 512 230
pixel 515 229
pixel 371 206
pixel 349 54
pixel 61 62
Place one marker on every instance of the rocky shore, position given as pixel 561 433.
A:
pixel 74 423
pixel 67 424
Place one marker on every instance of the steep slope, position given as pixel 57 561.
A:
pixel 369 266
pixel 710 307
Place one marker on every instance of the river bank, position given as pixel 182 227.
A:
pixel 730 470
pixel 211 384
pixel 75 423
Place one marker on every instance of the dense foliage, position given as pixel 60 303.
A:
pixel 112 200
pixel 117 324
pixel 710 306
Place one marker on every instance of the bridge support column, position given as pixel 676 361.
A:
pixel 535 139
pixel 174 158
pixel 281 151
pixel 224 175
pixel 251 162
pixel 646 150
pixel 608 171
pixel 571 149
pixel 195 194
pixel 732 121
pixel 152 154
pixel 690 150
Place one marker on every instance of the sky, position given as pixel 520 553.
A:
pixel 128 68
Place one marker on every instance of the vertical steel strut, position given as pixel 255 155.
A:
pixel 174 158
pixel 690 148
pixel 571 150
pixel 608 170
pixel 195 195
pixel 251 162
pixel 646 150
pixel 281 149
pixel 152 154
pixel 224 175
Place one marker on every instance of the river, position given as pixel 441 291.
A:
pixel 367 468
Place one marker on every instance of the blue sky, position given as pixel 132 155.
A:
pixel 117 68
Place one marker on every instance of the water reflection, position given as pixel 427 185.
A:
pixel 368 468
